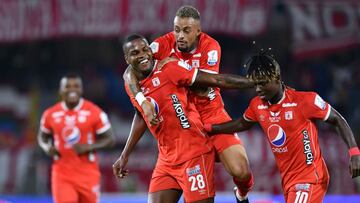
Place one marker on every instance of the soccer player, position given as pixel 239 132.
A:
pixel 186 156
pixel 71 132
pixel 198 49
pixel 288 119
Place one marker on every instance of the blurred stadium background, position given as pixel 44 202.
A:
pixel 317 43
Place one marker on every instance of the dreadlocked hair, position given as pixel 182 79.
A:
pixel 263 66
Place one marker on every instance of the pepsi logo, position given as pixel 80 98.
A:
pixel 276 135
pixel 71 135
pixel 156 105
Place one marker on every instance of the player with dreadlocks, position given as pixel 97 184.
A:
pixel 287 118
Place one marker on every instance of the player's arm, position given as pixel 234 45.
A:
pixel 336 119
pixel 46 144
pixel 137 130
pixel 132 83
pixel 227 81
pixel 229 127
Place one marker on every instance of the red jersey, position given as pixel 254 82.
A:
pixel 205 57
pixel 292 134
pixel 71 126
pixel 180 133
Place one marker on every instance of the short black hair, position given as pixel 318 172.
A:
pixel 188 12
pixel 132 37
pixel 72 75
pixel 263 66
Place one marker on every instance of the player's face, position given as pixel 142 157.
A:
pixel 267 90
pixel 186 31
pixel 138 54
pixel 71 90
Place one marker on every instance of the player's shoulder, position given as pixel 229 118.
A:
pixel 89 105
pixel 207 41
pixel 302 95
pixel 166 38
pixel 257 102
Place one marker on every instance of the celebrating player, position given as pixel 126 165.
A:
pixel 71 132
pixel 288 119
pixel 186 156
pixel 198 49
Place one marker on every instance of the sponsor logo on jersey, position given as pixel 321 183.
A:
pixel 154 47
pixel 211 94
pixel 193 170
pixel 155 81
pixel 303 186
pixel 288 115
pixel 289 104
pixel 307 148
pixel 156 105
pixel 212 57
pixel 276 135
pixel 185 65
pixel 319 102
pixel 262 106
pixel 274 116
pixel 71 135
pixel 198 55
pixel 195 63
pixel 180 112
pixel 70 120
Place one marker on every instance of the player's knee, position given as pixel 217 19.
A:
pixel 241 171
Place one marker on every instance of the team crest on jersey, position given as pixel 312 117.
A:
pixel 155 81
pixel 277 135
pixel 195 63
pixel 288 115
pixel 275 116
pixel 212 57
pixel 71 135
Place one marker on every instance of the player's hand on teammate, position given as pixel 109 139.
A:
pixel 119 167
pixel 355 166
pixel 149 111
pixel 82 148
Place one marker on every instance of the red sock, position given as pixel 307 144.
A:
pixel 244 186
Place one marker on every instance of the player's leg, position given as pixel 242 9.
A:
pixel 233 156
pixel 196 178
pixel 163 186
pixel 165 196
pixel 306 193
pixel 63 191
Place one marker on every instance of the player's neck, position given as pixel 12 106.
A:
pixel 279 95
pixel 71 105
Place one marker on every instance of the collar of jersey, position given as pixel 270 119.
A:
pixel 282 98
pixel 77 107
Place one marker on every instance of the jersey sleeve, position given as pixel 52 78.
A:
pixel 181 73
pixel 161 47
pixel 210 57
pixel 102 123
pixel 250 114
pixel 314 107
pixel 45 122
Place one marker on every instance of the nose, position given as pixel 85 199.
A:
pixel 258 88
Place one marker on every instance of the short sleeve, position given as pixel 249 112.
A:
pixel 161 47
pixel 210 58
pixel 45 122
pixel 314 107
pixel 250 114
pixel 181 73
pixel 102 123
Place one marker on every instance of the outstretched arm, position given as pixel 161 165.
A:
pixel 227 81
pixel 137 130
pixel 347 135
pixel 133 84
pixel 229 127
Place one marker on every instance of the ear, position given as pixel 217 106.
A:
pixel 126 59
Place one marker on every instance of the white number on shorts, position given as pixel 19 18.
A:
pixel 197 182
pixel 301 197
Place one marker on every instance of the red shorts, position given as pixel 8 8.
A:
pixel 194 177
pixel 306 193
pixel 68 189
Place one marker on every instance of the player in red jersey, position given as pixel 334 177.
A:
pixel 288 119
pixel 186 155
pixel 71 132
pixel 198 49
